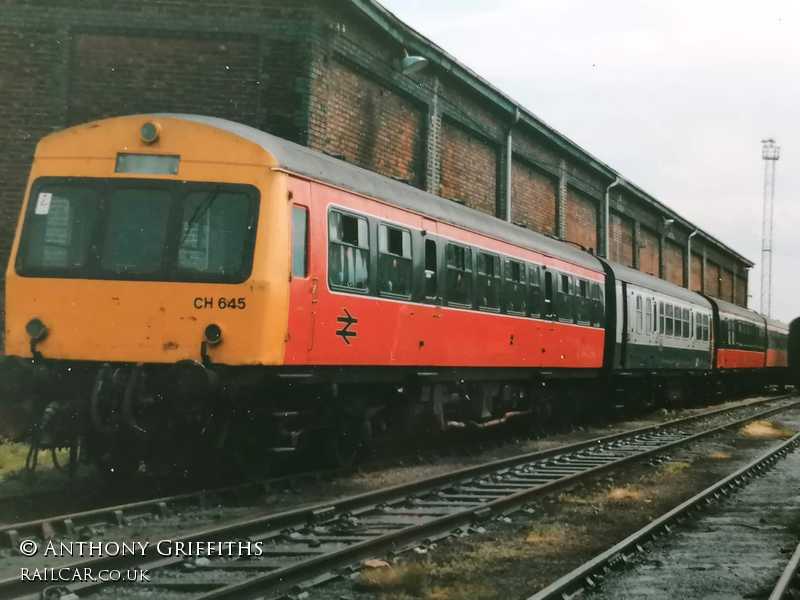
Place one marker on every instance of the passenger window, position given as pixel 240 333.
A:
pixel 668 321
pixel 348 253
pixel 648 314
pixel 534 277
pixel 639 314
pixel 661 318
pixel 488 281
pixel 548 287
pixel 515 292
pixel 583 287
pixel 459 275
pixel 686 333
pixel 394 261
pixel 299 241
pixel 564 289
pixel 431 265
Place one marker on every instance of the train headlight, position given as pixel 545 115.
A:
pixel 36 330
pixel 149 132
pixel 212 334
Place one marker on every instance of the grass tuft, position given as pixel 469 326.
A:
pixel 765 430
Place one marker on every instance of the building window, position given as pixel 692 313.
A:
pixel 348 251
pixel 488 281
pixel 394 261
pixel 299 241
pixel 459 275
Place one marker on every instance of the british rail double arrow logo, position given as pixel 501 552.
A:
pixel 345 332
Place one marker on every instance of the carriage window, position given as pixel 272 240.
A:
pixel 431 264
pixel 661 317
pixel 705 328
pixel 686 333
pixel 668 321
pixel 534 275
pixel 488 281
pixel 564 288
pixel 394 261
pixel 515 292
pixel 548 286
pixel 639 315
pixel 583 288
pixel 698 327
pixel 348 252
pixel 648 314
pixel 459 274
pixel 299 241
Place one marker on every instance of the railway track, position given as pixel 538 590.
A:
pixel 788 579
pixel 587 576
pixel 306 546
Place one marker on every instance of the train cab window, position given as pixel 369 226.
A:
pixel 394 261
pixel 299 241
pixel 459 275
pixel 488 288
pixel 661 318
pixel 431 269
pixel 515 292
pixel 668 320
pixel 348 251
pixel 686 331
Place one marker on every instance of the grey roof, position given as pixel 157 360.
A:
pixel 777 325
pixel 316 165
pixel 739 311
pixel 628 275
pixel 414 41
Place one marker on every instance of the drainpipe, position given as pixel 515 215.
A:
pixel 510 162
pixel 689 260
pixel 607 216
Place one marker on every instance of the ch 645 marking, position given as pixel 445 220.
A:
pixel 345 332
pixel 220 303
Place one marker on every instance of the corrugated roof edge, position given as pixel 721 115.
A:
pixel 393 25
pixel 315 165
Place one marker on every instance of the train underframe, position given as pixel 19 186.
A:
pixel 186 416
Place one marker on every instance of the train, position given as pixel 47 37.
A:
pixel 183 287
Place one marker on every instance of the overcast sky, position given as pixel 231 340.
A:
pixel 675 95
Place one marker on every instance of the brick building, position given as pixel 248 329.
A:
pixel 325 73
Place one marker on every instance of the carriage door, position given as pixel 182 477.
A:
pixel 304 276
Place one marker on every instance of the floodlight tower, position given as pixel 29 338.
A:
pixel 770 153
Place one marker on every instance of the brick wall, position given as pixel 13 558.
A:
pixel 673 263
pixel 697 273
pixel 581 213
pixel 120 74
pixel 741 290
pixel 621 239
pixel 726 285
pixel 712 279
pixel 535 195
pixel 373 127
pixel 648 251
pixel 469 169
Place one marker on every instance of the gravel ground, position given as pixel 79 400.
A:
pixel 513 559
pixel 736 550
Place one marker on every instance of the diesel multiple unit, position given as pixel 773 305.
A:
pixel 183 285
